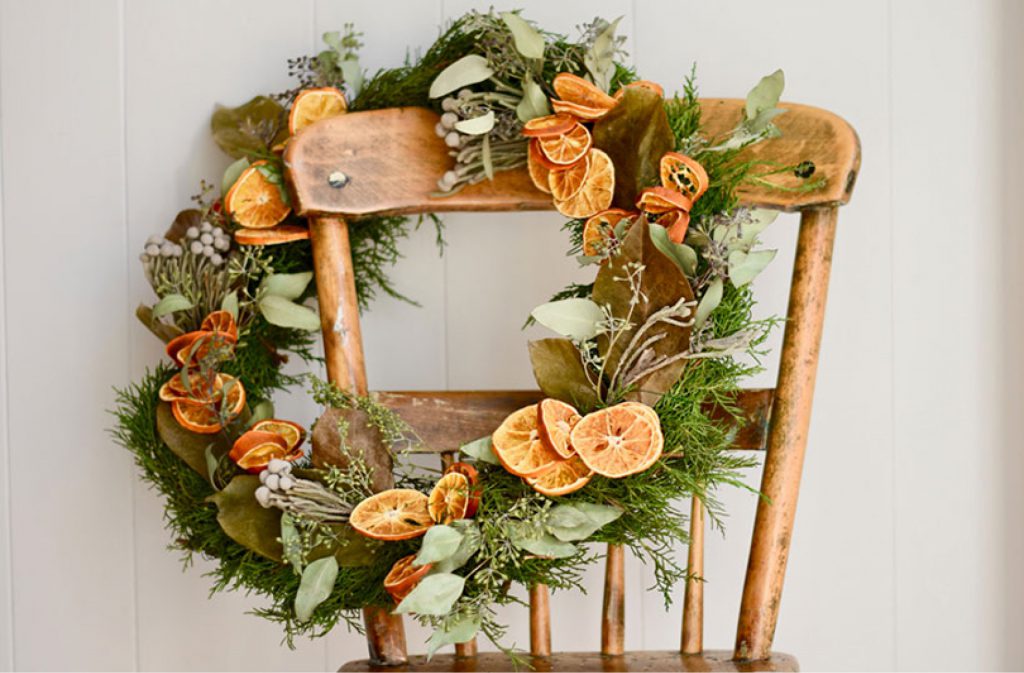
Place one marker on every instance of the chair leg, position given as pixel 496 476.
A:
pixel 540 621
pixel 787 440
pixel 693 601
pixel 613 617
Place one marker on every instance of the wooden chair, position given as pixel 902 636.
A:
pixel 388 162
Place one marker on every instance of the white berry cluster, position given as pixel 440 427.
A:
pixel 446 129
pixel 208 241
pixel 158 246
pixel 276 479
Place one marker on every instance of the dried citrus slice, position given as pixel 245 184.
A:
pixel 538 166
pixel 563 478
pixel 683 174
pixel 255 449
pixel 518 445
pixel 599 230
pixel 254 201
pixel 199 417
pixel 656 449
pixel 548 126
pixel 474 485
pixel 291 433
pixel 395 514
pixel 312 105
pixel 566 182
pixel 567 148
pixel 556 420
pixel 234 399
pixel 596 193
pixel 617 441
pixel 179 347
pixel 677 222
pixel 282 233
pixel 574 89
pixel 658 200
pixel 404 576
pixel 641 84
pixel 221 322
pixel 197 386
pixel 449 499
pixel 584 112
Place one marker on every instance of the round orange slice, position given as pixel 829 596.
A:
pixel 641 84
pixel 395 514
pixel 222 323
pixel 567 181
pixel 537 166
pixel 574 89
pixel 597 191
pixel 449 499
pixel 518 445
pixel 291 433
pixel 233 402
pixel 568 148
pixel 404 576
pixel 656 449
pixel 658 200
pixel 474 485
pixel 677 222
pixel 254 201
pixel 282 233
pixel 556 420
pixel 616 442
pixel 198 387
pixel 254 450
pixel 564 477
pixel 683 174
pixel 599 231
pixel 548 126
pixel 312 105
pixel 179 347
pixel 584 112
pixel 198 417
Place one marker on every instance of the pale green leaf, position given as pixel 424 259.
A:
pixel 283 313
pixel 469 545
pixel 765 95
pixel 477 125
pixel 599 59
pixel 261 412
pixel 352 74
pixel 467 70
pixel 744 267
pixel 290 542
pixel 439 543
pixel 172 303
pixel 230 304
pixel 485 157
pixel 577 318
pixel 211 464
pixel 461 630
pixel 481 450
pixel 574 522
pixel 287 285
pixel 316 585
pixel 539 542
pixel 709 302
pixel 434 595
pixel 528 41
pixel 534 102
pixel 683 255
pixel 231 174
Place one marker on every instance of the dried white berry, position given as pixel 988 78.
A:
pixel 205 227
pixel 449 104
pixel 222 243
pixel 278 466
pixel 440 130
pixel 272 481
pixel 154 240
pixel 207 250
pixel 207 239
pixel 196 248
pixel 464 94
pixel 448 119
pixel 263 496
pixel 177 251
pixel 264 473
pixel 285 483
pixel 153 250
pixel 192 232
pixel 217 231
pixel 144 258
pixel 216 259
pixel 453 139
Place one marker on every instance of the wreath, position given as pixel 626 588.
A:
pixel 639 383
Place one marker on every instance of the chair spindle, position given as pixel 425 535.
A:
pixel 613 616
pixel 540 621
pixel 693 602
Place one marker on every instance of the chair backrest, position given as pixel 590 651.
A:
pixel 347 166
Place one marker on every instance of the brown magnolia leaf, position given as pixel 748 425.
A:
pixel 187 445
pixel 185 219
pixel 246 521
pixel 560 374
pixel 635 134
pixel 249 129
pixel 361 438
pixel 661 284
pixel 160 329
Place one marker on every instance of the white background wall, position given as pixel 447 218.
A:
pixel 909 538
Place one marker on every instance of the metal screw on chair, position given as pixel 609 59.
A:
pixel 337 179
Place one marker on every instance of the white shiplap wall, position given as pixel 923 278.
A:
pixel 908 532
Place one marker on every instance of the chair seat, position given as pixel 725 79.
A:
pixel 714 660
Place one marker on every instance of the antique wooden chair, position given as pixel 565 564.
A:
pixel 388 161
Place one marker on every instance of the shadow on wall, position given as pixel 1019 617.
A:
pixel 1011 123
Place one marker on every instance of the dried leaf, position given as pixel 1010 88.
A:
pixel 467 70
pixel 231 174
pixel 528 41
pixel 187 445
pixel 709 302
pixel 578 521
pixel 190 217
pixel 361 438
pixel 287 285
pixel 576 318
pixel 461 630
pixel 481 449
pixel 440 543
pixel 245 521
pixel 534 102
pixel 249 129
pixel 477 126
pixel 316 586
pixel 171 303
pixel 559 373
pixel 283 313
pixel 683 255
pixel 160 330
pixel 765 95
pixel 434 595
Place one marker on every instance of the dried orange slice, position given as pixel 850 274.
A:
pixel 255 449
pixel 575 89
pixel 641 84
pixel 198 417
pixel 518 445
pixel 568 148
pixel 470 473
pixel 179 347
pixel 683 174
pixel 599 230
pixel 291 433
pixel 657 448
pixel 404 576
pixel 312 105
pixel 282 233
pixel 677 222
pixel 658 200
pixel 538 166
pixel 616 442
pixel 449 499
pixel 254 201
pixel 556 420
pixel 395 514
pixel 566 182
pixel 564 477
pixel 221 322
pixel 198 386
pixel 233 401
pixel 548 126
pixel 584 112
pixel 596 193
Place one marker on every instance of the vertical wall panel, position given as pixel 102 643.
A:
pixel 6 621
pixel 63 250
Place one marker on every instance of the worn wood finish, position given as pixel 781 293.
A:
pixel 787 440
pixel 385 636
pixel 589 661
pixel 444 420
pixel 540 620
pixel 466 649
pixel 692 641
pixel 613 612
pixel 370 148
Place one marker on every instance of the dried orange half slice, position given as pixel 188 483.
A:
pixel 658 447
pixel 677 222
pixel 395 514
pixel 556 420
pixel 223 323
pixel 179 347
pixel 449 499
pixel 198 417
pixel 568 148
pixel 255 449
pixel 599 230
pixel 195 385
pixel 538 166
pixel 282 233
pixel 596 193
pixel 291 433
pixel 254 201
pixel 658 200
pixel 234 400
pixel 616 442
pixel 584 112
pixel 567 181
pixel 404 576
pixel 518 445
pixel 683 174
pixel 574 89
pixel 564 477
pixel 548 126
pixel 474 485
pixel 312 105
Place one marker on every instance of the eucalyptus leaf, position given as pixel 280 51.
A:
pixel 250 129
pixel 171 303
pixel 539 542
pixel 434 595
pixel 160 330
pixel 534 102
pixel 291 543
pixel 316 586
pixel 439 543
pixel 528 41
pixel 262 411
pixel 600 58
pixel 245 521
pixel 744 267
pixel 461 630
pixel 230 304
pixel 231 174
pixel 482 450
pixel 576 318
pixel 287 285
pixel 470 544
pixel 485 157
pixel 765 95
pixel 559 372
pixel 477 125
pixel 709 302
pixel 467 70
pixel 352 73
pixel 211 464
pixel 283 313
pixel 683 255
pixel 574 522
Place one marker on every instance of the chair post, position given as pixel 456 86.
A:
pixel 692 641
pixel 787 439
pixel 540 621
pixel 613 614
pixel 343 352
